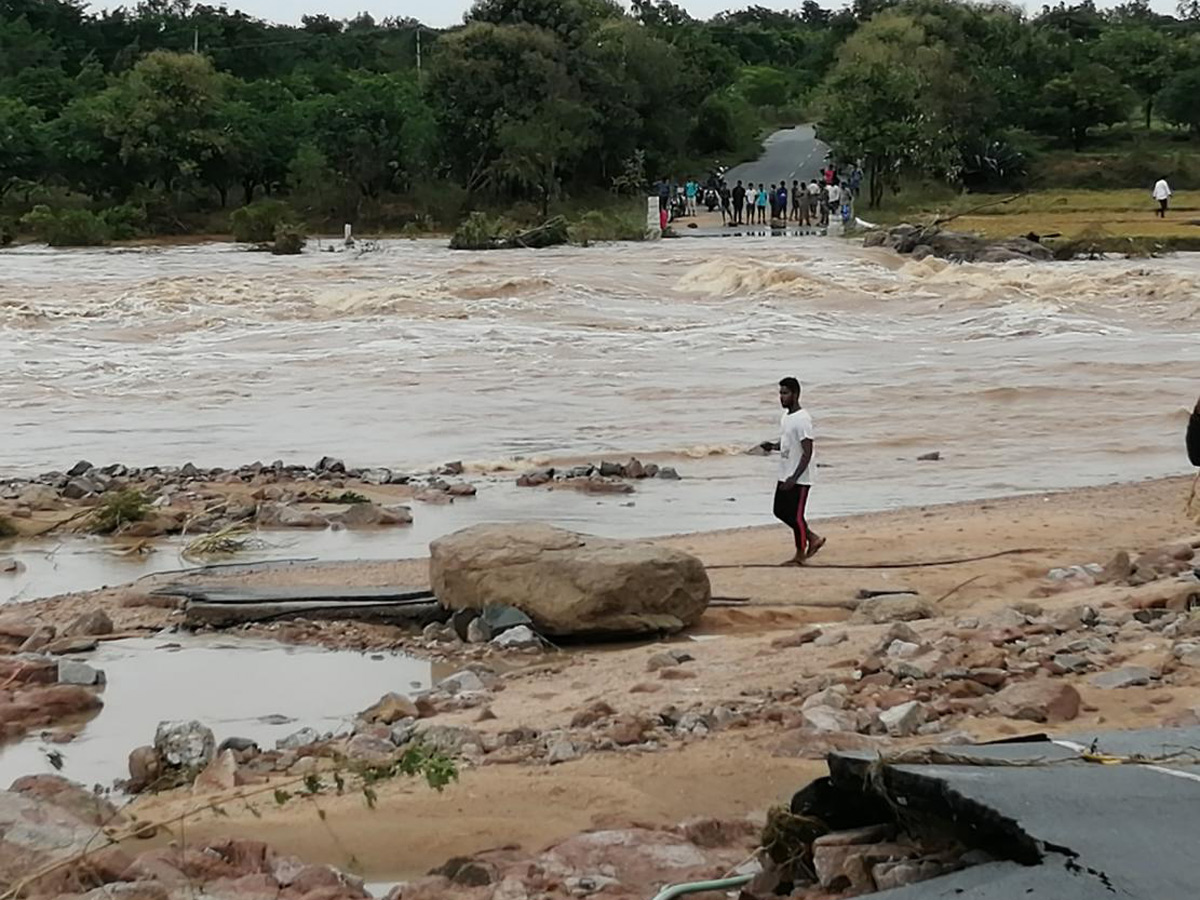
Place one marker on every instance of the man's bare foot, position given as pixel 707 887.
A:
pixel 815 547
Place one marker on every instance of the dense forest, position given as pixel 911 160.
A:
pixel 168 116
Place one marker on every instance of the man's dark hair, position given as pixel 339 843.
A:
pixel 791 384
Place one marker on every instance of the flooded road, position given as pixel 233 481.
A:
pixel 251 689
pixel 1025 376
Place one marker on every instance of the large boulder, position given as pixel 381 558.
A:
pixel 570 584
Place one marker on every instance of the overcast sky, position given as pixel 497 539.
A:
pixel 450 12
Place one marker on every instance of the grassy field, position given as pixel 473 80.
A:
pixel 1108 218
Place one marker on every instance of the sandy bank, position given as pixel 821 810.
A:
pixel 743 660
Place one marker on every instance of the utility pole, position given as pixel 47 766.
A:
pixel 418 54
pixel 196 41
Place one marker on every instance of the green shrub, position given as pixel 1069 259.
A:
pixel 259 222
pixel 289 239
pixel 478 232
pixel 598 225
pixel 8 232
pixel 125 222
pixel 118 509
pixel 67 227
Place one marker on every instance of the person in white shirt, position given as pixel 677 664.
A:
pixel 795 447
pixel 1161 193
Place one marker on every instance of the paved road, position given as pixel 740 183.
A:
pixel 794 154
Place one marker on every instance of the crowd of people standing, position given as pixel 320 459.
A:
pixel 808 204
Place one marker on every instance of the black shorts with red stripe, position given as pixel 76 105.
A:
pixel 790 506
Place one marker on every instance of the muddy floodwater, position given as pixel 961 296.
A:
pixel 1024 376
pixel 253 689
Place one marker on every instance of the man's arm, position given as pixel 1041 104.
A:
pixel 1193 436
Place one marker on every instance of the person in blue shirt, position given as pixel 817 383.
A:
pixel 782 200
pixel 691 189
pixel 762 204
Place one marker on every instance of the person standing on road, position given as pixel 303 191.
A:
pixel 723 196
pixel 1161 193
pixel 795 447
pixel 761 202
pixel 690 190
pixel 739 203
pixel 783 201
pixel 835 199
pixel 798 193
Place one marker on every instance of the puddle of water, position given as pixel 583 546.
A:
pixel 252 689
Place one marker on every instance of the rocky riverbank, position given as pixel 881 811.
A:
pixel 921 241
pixel 143 503
pixel 914 634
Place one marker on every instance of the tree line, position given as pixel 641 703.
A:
pixel 151 118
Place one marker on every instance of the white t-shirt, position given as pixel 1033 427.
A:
pixel 1162 190
pixel 835 194
pixel 794 428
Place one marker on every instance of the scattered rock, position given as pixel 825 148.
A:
pixel 798 639
pixel 145 768
pixel 569 583
pixel 520 638
pixel 827 718
pixel 369 515
pixel 905 719
pixel 596 712
pixel 72 671
pixel 626 730
pixel 389 709
pixel 219 775
pixel 370 749
pixel 465 681
pixel 281 516
pixel 1117 570
pixel 95 622
pixel 536 478
pixel 185 745
pixel 661 661
pixel 1130 676
pixel 479 631
pixel 1040 700
pixel 900 608
pixel 297 739
pixel 562 751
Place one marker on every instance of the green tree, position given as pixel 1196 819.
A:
pixel 21 143
pixel 1179 101
pixel 163 116
pixel 883 103
pixel 377 134
pixel 1142 55
pixel 483 79
pixel 536 151
pixel 763 86
pixel 1085 98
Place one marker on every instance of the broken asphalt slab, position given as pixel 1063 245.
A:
pixel 1072 829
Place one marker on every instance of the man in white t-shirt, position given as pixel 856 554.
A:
pixel 796 467
pixel 1161 193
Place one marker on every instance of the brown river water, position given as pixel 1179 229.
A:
pixel 1026 377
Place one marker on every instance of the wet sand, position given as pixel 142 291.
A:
pixel 742 770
